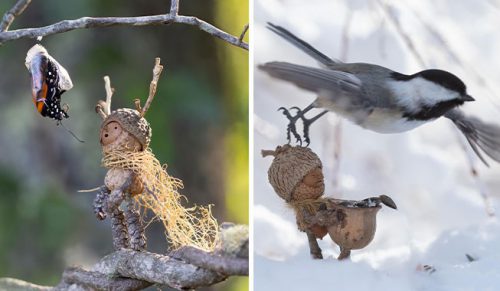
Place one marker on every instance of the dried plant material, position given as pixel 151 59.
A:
pixel 193 226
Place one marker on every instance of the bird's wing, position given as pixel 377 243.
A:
pixel 479 134
pixel 314 79
pixel 334 88
pixel 302 45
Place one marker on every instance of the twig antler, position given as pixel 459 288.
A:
pixel 104 107
pixel 158 68
pixel 10 15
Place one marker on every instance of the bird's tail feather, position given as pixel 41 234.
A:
pixel 301 44
pixel 313 79
pixel 480 135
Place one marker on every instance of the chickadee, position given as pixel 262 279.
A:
pixel 379 99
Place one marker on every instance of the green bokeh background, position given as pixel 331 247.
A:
pixel 199 119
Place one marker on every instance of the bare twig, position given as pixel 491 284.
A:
pixel 211 261
pixel 109 94
pixel 174 8
pixel 242 35
pixel 443 43
pixel 10 15
pixel 391 15
pixel 99 108
pixel 15 284
pixel 104 107
pixel 96 22
pixel 212 30
pixel 158 68
pixel 98 281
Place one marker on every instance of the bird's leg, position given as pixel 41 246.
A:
pixel 135 227
pixel 307 123
pixel 100 201
pixel 291 125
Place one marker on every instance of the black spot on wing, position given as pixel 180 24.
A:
pixel 52 107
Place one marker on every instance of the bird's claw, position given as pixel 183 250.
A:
pixel 291 128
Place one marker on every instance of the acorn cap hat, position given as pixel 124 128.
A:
pixel 132 122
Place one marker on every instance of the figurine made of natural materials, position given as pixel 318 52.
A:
pixel 296 175
pixel 136 181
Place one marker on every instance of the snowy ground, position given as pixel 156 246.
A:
pixel 442 215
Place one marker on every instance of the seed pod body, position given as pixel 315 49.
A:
pixel 115 177
pixel 355 228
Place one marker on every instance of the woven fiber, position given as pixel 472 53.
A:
pixel 132 122
pixel 289 167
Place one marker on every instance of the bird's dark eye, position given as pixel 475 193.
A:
pixel 106 135
pixel 116 127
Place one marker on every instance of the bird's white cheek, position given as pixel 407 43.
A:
pixel 417 93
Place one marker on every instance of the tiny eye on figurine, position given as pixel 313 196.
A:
pixel 110 132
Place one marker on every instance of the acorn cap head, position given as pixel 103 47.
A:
pixel 132 122
pixel 287 172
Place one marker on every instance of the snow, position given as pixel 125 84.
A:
pixel 441 214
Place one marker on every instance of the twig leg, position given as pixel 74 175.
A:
pixel 99 202
pixel 344 254
pixel 314 247
pixel 118 222
pixel 135 228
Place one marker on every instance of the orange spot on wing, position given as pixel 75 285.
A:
pixel 41 95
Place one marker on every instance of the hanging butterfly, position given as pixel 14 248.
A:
pixel 49 80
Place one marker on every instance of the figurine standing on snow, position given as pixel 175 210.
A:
pixel 137 180
pixel 296 175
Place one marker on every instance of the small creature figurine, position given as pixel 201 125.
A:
pixel 296 175
pixel 136 180
pixel 49 80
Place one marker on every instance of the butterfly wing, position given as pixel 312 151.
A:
pixel 49 80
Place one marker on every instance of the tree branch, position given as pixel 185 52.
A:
pixel 132 270
pixel 10 15
pixel 97 22
pixel 78 276
pixel 174 8
pixel 210 261
pixel 19 285
pixel 185 268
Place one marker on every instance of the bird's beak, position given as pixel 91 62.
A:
pixel 467 98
